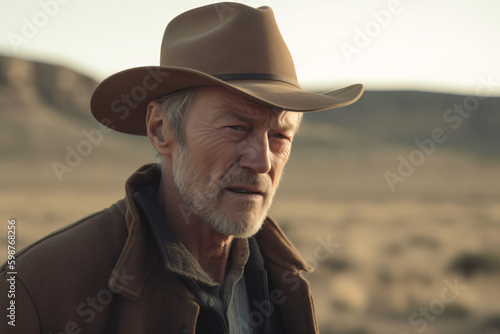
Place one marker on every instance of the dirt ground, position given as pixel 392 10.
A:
pixel 424 258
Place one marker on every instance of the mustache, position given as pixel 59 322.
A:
pixel 237 175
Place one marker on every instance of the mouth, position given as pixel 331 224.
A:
pixel 245 190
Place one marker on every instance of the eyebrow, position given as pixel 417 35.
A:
pixel 284 126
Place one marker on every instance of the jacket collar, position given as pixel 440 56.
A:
pixel 176 257
pixel 140 256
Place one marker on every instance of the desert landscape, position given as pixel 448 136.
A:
pixel 394 200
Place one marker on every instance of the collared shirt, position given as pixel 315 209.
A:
pixel 233 300
pixel 230 300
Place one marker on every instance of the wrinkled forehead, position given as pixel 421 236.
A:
pixel 229 104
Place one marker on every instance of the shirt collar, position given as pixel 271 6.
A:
pixel 176 257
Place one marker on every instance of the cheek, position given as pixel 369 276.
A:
pixel 204 142
pixel 215 154
pixel 279 161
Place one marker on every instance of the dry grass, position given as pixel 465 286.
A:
pixel 394 252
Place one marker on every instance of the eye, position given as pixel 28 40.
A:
pixel 279 136
pixel 236 127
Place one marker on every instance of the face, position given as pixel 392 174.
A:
pixel 232 161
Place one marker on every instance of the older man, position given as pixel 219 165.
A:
pixel 190 248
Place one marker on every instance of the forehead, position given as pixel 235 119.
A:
pixel 219 104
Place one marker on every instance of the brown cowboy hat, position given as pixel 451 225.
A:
pixel 226 44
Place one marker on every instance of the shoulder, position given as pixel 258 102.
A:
pixel 99 236
pixel 277 249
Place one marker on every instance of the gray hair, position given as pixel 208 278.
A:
pixel 175 107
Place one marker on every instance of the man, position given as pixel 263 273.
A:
pixel 190 248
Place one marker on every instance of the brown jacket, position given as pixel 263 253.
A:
pixel 103 274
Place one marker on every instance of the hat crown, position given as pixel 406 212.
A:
pixel 228 45
pixel 228 38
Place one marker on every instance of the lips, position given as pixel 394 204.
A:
pixel 246 190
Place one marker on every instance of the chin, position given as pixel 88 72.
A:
pixel 249 230
pixel 240 226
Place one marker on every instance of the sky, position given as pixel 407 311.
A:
pixel 432 45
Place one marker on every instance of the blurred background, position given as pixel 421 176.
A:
pixel 394 200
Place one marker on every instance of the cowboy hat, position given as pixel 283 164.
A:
pixel 225 44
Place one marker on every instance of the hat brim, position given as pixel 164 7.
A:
pixel 120 101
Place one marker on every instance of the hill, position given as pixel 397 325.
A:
pixel 398 248
pixel 400 117
pixel 44 107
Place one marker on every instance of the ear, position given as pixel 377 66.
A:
pixel 159 134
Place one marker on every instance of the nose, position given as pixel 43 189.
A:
pixel 255 154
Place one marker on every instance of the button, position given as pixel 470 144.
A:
pixel 183 330
pixel 210 302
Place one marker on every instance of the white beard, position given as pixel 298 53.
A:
pixel 203 194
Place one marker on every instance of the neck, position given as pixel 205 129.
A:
pixel 209 247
